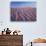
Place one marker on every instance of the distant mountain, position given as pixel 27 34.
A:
pixel 39 40
pixel 23 14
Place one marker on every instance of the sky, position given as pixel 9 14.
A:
pixel 22 4
pixel 31 30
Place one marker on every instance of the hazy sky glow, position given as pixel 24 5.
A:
pixel 22 4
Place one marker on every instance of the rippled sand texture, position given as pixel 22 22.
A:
pixel 23 14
